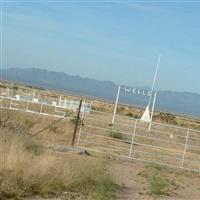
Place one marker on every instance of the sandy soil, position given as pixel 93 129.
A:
pixel 136 187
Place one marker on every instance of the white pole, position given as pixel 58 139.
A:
pixel 116 103
pixel 152 111
pixel 41 108
pixel 65 103
pixel 33 96
pixel 185 148
pixel 154 79
pixel 134 131
pixel 8 91
pixel 79 136
pixel 27 105
pixel 10 103
pixel 83 110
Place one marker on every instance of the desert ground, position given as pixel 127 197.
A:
pixel 39 162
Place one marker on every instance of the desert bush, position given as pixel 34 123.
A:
pixel 120 109
pixel 160 183
pixel 167 117
pixel 136 117
pixel 8 120
pixel 15 87
pixel 117 135
pixel 74 120
pixel 129 114
pixel 2 86
pixel 159 186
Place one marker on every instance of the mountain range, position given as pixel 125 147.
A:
pixel 183 103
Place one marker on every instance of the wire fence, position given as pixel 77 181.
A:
pixel 129 138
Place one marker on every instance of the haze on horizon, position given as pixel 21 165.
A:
pixel 117 40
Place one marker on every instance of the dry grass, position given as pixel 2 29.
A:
pixel 28 169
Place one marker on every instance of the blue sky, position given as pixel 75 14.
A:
pixel 116 40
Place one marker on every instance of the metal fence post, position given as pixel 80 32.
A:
pixel 27 105
pixel 10 104
pixel 134 131
pixel 79 136
pixel 41 108
pixel 185 148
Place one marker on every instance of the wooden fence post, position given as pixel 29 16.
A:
pixel 77 121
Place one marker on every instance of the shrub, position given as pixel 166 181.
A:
pixel 15 87
pixel 117 135
pixel 136 117
pixel 74 119
pixel 167 117
pixel 159 182
pixel 129 114
pixel 158 186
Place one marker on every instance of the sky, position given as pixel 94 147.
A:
pixel 118 41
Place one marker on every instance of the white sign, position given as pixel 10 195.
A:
pixel 136 91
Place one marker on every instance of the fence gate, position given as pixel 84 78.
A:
pixel 129 138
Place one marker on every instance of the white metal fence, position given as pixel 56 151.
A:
pixel 39 103
pixel 167 145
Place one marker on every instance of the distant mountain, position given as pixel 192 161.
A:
pixel 170 101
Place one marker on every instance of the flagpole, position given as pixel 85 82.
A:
pixel 154 79
pixel 116 103
pixel 153 106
